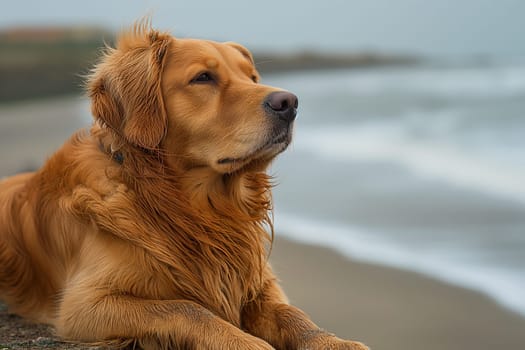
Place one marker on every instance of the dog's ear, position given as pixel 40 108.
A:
pixel 104 107
pixel 125 88
pixel 244 51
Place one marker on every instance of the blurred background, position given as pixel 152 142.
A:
pixel 401 202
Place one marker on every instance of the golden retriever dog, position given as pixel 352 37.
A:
pixel 151 230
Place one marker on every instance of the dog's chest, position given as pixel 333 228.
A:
pixel 221 287
pixel 220 269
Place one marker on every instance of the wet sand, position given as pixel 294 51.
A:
pixel 391 309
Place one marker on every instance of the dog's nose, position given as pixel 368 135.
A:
pixel 282 104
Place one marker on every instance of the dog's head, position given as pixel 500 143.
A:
pixel 198 102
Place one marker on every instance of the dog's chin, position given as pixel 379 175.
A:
pixel 257 159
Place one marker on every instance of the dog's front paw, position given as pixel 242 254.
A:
pixel 330 342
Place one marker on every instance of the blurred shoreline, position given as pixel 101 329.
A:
pixel 389 308
pixel 41 62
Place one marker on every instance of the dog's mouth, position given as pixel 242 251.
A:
pixel 273 146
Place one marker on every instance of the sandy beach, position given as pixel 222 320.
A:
pixel 390 309
pixel 383 307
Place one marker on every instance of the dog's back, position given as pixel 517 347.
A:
pixel 18 278
pixel 33 257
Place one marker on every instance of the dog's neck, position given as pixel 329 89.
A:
pixel 248 192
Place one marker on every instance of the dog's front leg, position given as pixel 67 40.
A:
pixel 270 317
pixel 152 324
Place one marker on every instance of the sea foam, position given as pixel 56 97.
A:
pixel 445 161
pixel 501 284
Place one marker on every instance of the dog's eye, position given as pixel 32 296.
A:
pixel 254 78
pixel 202 78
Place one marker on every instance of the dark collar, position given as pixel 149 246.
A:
pixel 117 156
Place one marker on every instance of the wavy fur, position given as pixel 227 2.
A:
pixel 153 230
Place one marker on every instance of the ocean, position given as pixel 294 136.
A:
pixel 420 168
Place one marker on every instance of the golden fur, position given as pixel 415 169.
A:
pixel 150 231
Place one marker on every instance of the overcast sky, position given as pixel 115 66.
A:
pixel 431 27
